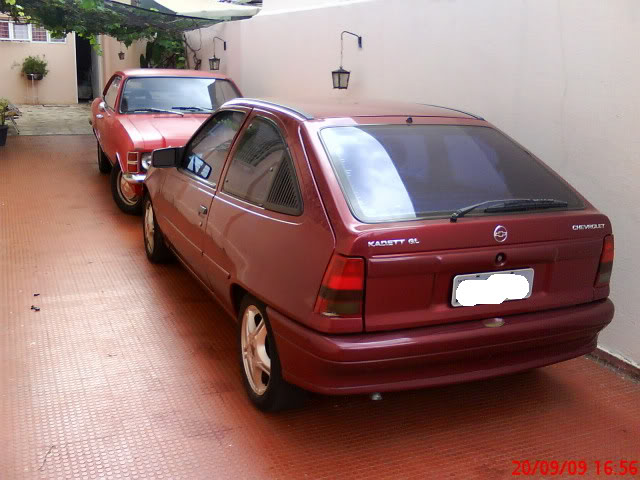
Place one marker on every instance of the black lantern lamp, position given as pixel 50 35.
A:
pixel 121 54
pixel 341 76
pixel 214 62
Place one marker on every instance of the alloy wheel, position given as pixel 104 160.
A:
pixel 255 350
pixel 149 228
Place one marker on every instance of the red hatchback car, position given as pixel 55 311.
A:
pixel 366 248
pixel 145 109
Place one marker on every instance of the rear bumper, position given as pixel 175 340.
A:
pixel 437 355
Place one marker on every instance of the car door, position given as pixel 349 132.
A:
pixel 189 189
pixel 106 125
pixel 258 205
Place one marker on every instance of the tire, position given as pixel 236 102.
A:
pixel 154 245
pixel 267 391
pixel 131 205
pixel 103 162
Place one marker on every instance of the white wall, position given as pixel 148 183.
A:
pixel 561 76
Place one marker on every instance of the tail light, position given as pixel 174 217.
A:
pixel 342 290
pixel 132 161
pixel 606 262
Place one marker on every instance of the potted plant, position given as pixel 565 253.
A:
pixel 4 108
pixel 34 67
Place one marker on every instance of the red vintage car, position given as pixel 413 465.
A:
pixel 145 109
pixel 365 248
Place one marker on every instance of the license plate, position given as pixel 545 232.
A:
pixel 491 288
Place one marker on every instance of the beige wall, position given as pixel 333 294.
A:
pixel 58 87
pixel 110 60
pixel 561 76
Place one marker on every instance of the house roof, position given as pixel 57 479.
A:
pixel 209 9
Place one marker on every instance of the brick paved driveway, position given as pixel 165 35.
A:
pixel 129 371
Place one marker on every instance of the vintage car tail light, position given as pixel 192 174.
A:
pixel 606 262
pixel 342 290
pixel 132 161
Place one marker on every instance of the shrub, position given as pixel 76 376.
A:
pixel 4 107
pixel 34 65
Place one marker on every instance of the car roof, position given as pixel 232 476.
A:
pixel 169 72
pixel 316 110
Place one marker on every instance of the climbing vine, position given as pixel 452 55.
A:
pixel 91 18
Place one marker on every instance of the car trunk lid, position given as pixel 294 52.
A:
pixel 411 266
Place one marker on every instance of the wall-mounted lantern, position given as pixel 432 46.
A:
pixel 214 62
pixel 341 76
pixel 121 54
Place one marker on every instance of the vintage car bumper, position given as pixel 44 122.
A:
pixel 134 178
pixel 435 355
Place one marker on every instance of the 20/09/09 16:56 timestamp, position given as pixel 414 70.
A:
pixel 618 468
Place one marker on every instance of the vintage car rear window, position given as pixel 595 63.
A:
pixel 404 172
pixel 175 93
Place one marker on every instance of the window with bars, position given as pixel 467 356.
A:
pixel 38 34
pixel 4 30
pixel 25 32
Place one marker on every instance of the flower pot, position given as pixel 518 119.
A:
pixel 3 134
pixel 35 76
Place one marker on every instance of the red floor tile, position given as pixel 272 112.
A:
pixel 128 370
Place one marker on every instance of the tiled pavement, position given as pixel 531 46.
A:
pixel 53 120
pixel 129 370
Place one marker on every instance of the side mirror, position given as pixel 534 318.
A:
pixel 166 157
pixel 101 106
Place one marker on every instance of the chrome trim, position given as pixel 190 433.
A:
pixel 134 177
pixel 256 102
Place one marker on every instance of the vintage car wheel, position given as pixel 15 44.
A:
pixel 123 193
pixel 157 250
pixel 103 162
pixel 261 372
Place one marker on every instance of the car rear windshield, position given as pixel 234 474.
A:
pixel 404 172
pixel 175 93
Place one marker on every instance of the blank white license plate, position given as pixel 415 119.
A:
pixel 491 288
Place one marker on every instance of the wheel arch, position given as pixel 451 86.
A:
pixel 238 292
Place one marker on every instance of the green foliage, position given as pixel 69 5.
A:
pixel 164 52
pixel 4 108
pixel 35 64
pixel 90 18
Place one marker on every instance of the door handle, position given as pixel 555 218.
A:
pixel 202 210
pixel 99 115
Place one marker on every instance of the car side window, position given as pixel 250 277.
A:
pixel 261 170
pixel 208 150
pixel 112 93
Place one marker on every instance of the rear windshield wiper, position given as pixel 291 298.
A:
pixel 158 110
pixel 510 205
pixel 197 109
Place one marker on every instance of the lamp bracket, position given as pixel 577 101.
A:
pixel 359 37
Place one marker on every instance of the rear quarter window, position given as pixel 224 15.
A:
pixel 401 172
pixel 261 170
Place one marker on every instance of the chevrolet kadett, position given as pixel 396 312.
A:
pixel 372 247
